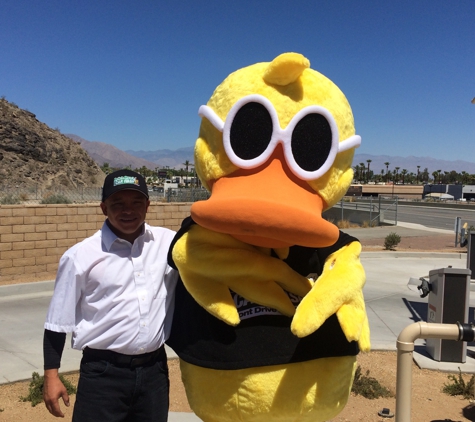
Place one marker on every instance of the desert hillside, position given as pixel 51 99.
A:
pixel 33 154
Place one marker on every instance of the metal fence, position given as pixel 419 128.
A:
pixel 375 211
pixel 365 210
pixel 186 195
pixel 60 195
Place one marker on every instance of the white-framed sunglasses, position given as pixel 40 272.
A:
pixel 252 131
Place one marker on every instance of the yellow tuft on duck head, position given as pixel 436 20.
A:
pixel 275 149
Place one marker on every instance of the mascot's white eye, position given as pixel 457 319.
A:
pixel 251 131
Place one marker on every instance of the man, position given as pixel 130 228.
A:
pixel 115 292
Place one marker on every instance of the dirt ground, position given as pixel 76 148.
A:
pixel 433 243
pixel 429 403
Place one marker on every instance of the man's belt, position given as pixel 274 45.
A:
pixel 119 359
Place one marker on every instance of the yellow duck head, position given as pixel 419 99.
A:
pixel 275 148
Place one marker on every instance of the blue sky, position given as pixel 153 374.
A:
pixel 133 73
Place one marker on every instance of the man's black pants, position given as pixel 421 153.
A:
pixel 119 388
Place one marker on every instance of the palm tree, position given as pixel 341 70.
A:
pixel 387 165
pixel 362 169
pixel 446 178
pixel 396 170
pixel 425 174
pixel 439 172
pixel 418 167
pixel 187 164
pixel 142 170
pixel 403 173
pixel 368 174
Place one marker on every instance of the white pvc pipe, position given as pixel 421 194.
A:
pixel 405 347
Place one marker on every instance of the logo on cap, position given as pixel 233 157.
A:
pixel 126 180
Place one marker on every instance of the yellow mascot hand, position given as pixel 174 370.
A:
pixel 212 263
pixel 339 289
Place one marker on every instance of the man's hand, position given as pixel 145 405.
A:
pixel 53 389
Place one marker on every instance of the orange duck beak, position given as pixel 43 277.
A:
pixel 266 206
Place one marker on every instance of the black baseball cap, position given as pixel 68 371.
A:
pixel 121 180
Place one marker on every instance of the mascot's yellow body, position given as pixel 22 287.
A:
pixel 270 181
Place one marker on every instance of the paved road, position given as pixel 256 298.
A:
pixel 438 217
pixel 428 215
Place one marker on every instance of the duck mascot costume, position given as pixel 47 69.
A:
pixel 269 313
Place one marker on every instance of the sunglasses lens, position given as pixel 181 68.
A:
pixel 311 142
pixel 251 131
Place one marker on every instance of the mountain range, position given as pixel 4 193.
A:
pixel 162 158
pixel 34 155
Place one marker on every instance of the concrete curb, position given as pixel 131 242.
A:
pixel 396 254
pixel 27 288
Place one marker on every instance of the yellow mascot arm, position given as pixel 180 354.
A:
pixel 211 263
pixel 339 289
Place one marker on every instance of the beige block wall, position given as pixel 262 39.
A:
pixel 33 237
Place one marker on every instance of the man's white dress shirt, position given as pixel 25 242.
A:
pixel 113 295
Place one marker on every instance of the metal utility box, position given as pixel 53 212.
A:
pixel 471 253
pixel 448 304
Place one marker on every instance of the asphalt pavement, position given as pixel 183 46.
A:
pixel 391 304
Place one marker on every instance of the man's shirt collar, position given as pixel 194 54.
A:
pixel 109 237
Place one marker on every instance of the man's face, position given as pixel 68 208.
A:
pixel 126 211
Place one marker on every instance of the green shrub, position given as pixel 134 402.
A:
pixel 55 199
pixel 368 387
pixel 458 387
pixel 35 390
pixel 9 200
pixel 391 241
